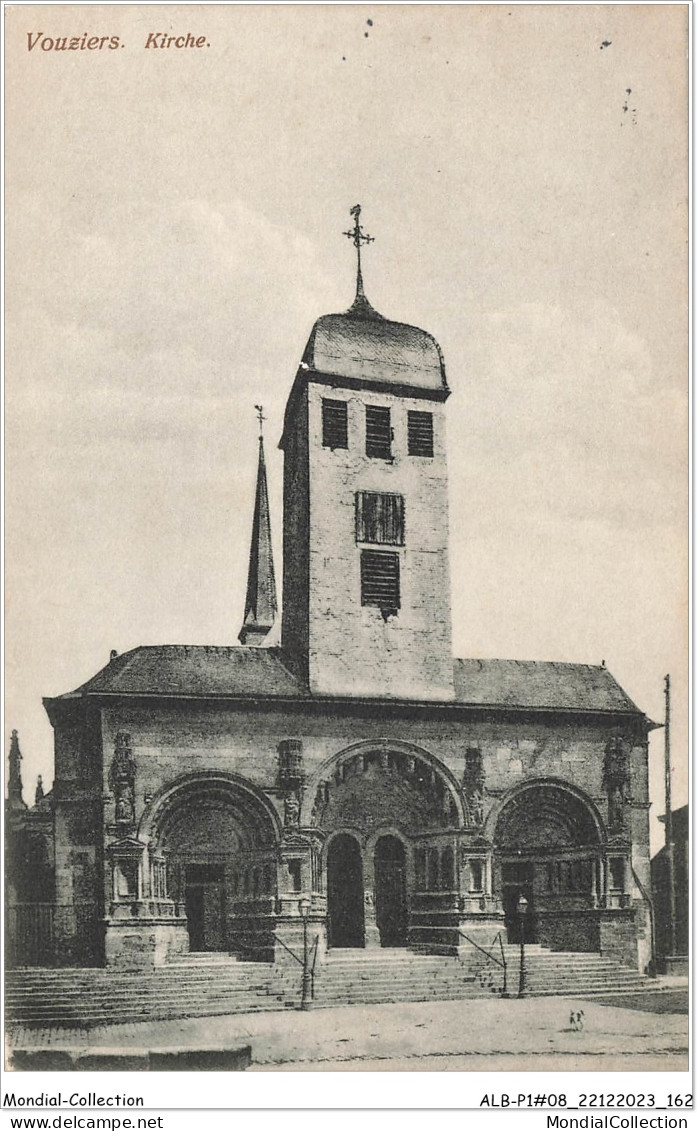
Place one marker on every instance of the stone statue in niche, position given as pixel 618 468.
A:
pixel 321 801
pixel 615 807
pixel 473 785
pixel 616 779
pixel 291 810
pixel 122 780
pixel 476 808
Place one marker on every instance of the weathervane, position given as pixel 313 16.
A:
pixel 262 418
pixel 358 237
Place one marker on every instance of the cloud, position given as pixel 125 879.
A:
pixel 152 332
pixel 571 419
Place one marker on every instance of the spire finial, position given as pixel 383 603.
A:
pixel 14 785
pixel 358 237
pixel 260 413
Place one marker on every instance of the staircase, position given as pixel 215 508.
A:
pixel 571 973
pixel 349 977
pixel 206 985
pixel 193 987
pixel 352 976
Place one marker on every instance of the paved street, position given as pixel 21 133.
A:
pixel 483 1034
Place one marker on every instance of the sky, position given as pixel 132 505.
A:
pixel 174 223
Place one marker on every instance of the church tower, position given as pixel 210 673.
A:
pixel 366 583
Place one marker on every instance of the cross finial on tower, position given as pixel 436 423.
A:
pixel 262 418
pixel 358 237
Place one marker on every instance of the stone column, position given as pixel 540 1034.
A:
pixel 489 875
pixel 603 880
pixel 371 932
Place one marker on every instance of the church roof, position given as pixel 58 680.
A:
pixel 361 345
pixel 175 669
pixel 264 673
pixel 536 683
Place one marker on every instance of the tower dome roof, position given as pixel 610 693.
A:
pixel 361 345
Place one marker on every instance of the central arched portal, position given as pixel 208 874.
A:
pixel 345 892
pixel 380 807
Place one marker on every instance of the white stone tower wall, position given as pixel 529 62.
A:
pixel 353 649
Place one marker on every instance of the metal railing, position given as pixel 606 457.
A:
pixel 491 957
pixel 307 968
pixel 30 932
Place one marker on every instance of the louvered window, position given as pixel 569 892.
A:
pixel 334 424
pixel 380 580
pixel 379 518
pixel 420 433
pixel 378 432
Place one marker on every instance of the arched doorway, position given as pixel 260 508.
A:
pixel 219 843
pixel 345 893
pixel 547 845
pixel 391 891
pixel 392 792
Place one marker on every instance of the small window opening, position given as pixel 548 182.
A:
pixel 126 879
pixel 447 870
pixel 334 424
pixel 420 433
pixel 378 432
pixel 380 581
pixel 379 518
pixel 617 873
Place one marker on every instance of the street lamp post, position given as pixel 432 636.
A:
pixel 522 912
pixel 306 995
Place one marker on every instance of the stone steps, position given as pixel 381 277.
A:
pixel 372 977
pixel 198 986
pixel 93 997
pixel 394 975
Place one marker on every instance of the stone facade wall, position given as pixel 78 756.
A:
pixel 78 836
pixel 169 742
pixel 618 936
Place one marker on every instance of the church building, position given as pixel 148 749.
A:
pixel 357 776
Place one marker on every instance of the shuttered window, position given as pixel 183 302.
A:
pixel 420 433
pixel 380 579
pixel 379 518
pixel 378 432
pixel 334 424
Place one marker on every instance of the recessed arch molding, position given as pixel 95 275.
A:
pixel 383 781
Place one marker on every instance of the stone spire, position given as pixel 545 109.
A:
pixel 14 785
pixel 260 607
